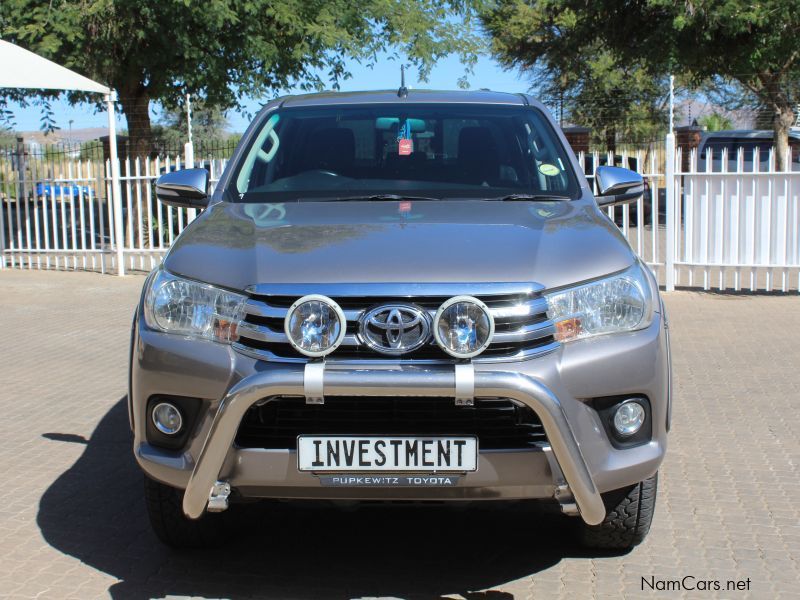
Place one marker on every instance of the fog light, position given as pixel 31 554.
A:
pixel 167 418
pixel 315 325
pixel 463 327
pixel 629 417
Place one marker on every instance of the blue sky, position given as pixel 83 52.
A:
pixel 445 75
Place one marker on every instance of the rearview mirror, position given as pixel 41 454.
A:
pixel 187 188
pixel 616 185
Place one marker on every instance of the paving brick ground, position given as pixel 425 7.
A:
pixel 72 521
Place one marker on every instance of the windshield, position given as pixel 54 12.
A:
pixel 438 151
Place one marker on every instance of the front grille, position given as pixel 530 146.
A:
pixel 522 329
pixel 499 423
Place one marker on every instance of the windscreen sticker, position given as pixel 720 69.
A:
pixel 549 170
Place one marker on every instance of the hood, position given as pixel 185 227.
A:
pixel 551 243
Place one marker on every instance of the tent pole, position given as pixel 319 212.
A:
pixel 116 190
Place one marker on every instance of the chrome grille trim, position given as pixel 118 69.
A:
pixel 262 333
pixel 531 307
pixel 331 358
pixel 519 310
pixel 526 334
pixel 262 309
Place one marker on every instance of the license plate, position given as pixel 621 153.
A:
pixel 396 454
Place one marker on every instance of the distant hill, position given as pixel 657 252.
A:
pixel 63 136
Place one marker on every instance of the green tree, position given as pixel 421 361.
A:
pixel 715 122
pixel 209 126
pixel 591 83
pixel 224 50
pixel 750 43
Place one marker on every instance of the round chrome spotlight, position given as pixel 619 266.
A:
pixel 315 325
pixel 463 326
pixel 629 417
pixel 167 418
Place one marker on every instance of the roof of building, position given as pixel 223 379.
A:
pixel 750 134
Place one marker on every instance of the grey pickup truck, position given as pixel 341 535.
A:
pixel 407 296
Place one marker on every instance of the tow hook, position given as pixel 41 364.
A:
pixel 561 494
pixel 218 498
pixel 566 500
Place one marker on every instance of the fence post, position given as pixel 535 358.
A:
pixel 188 163
pixel 3 227
pixel 669 174
pixel 116 191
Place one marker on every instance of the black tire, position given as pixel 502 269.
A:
pixel 173 528
pixel 629 513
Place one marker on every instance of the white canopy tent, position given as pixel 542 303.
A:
pixel 20 68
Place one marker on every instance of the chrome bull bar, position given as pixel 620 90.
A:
pixel 433 381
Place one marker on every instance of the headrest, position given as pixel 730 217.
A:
pixel 332 149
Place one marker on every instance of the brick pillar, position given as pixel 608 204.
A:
pixel 687 138
pixel 578 138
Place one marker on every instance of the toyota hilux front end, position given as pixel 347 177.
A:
pixel 410 298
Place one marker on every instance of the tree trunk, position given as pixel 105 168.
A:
pixel 782 121
pixel 611 139
pixel 136 108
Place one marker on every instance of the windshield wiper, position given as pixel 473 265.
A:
pixel 535 197
pixel 375 197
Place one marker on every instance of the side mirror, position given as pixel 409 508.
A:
pixel 187 188
pixel 616 185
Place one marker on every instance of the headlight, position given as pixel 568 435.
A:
pixel 315 325
pixel 615 304
pixel 185 307
pixel 463 327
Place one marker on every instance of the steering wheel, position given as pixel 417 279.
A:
pixel 324 172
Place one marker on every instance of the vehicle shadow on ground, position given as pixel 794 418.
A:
pixel 95 512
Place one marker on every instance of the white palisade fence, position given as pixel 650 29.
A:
pixel 739 227
pixel 57 214
pixel 729 224
pixel 641 222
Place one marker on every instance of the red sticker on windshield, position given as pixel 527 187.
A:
pixel 405 147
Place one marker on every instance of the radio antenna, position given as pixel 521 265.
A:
pixel 403 91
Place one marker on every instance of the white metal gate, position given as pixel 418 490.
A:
pixel 737 226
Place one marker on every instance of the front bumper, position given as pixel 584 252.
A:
pixel 369 382
pixel 556 386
